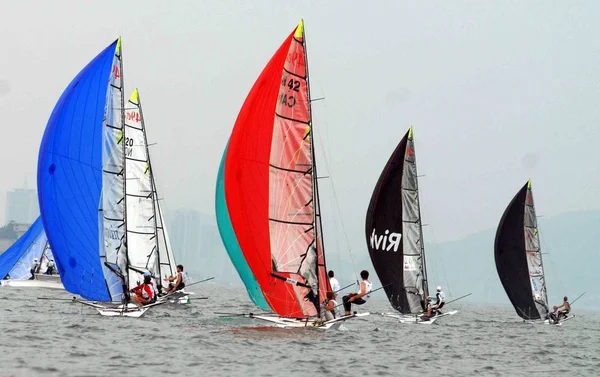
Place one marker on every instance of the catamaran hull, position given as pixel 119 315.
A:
pixel 44 277
pixel 402 318
pixel 177 297
pixel 35 283
pixel 129 310
pixel 293 323
pixel 122 312
pixel 548 322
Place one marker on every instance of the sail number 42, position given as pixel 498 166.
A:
pixel 294 85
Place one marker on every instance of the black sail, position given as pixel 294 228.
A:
pixel 519 259
pixel 393 231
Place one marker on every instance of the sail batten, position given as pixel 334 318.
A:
pixel 518 257
pixel 393 231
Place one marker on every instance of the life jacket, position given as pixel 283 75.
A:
pixel 146 291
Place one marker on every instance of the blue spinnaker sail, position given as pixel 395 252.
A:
pixel 70 178
pixel 17 259
pixel 231 244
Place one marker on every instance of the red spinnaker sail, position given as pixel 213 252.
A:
pixel 270 186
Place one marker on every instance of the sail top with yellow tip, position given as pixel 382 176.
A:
pixel 270 188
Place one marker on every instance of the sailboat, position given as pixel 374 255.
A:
pixel 147 234
pixel 97 195
pixel 518 258
pixel 395 237
pixel 267 199
pixel 16 261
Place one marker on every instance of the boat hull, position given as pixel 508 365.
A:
pixel 131 310
pixel 547 322
pixel 35 283
pixel 403 318
pixel 294 323
pixel 120 310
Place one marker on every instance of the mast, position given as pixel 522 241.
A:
pixel 314 177
pixel 153 193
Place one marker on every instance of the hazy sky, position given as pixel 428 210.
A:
pixel 497 92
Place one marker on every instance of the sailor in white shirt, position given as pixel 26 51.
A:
pixel 335 285
pixel 34 267
pixel 440 299
pixel 329 308
pixel 360 297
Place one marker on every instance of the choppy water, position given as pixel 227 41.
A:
pixel 59 338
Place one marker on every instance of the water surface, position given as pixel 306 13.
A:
pixel 60 338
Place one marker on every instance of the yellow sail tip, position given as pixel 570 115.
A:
pixel 118 45
pixel 410 132
pixel 299 30
pixel 134 96
pixel 529 184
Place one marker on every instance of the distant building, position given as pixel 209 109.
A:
pixel 10 233
pixel 21 206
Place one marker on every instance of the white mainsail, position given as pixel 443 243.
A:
pixel 141 222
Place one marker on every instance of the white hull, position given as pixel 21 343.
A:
pixel 44 277
pixel 547 322
pixel 177 297
pixel 52 284
pixel 129 310
pixel 403 318
pixel 293 323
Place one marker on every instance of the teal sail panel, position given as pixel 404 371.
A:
pixel 231 243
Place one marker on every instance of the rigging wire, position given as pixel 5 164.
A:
pixel 434 241
pixel 548 261
pixel 333 191
pixel 434 246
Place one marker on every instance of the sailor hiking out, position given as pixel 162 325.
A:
pixel 177 282
pixel 361 297
pixel 560 312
